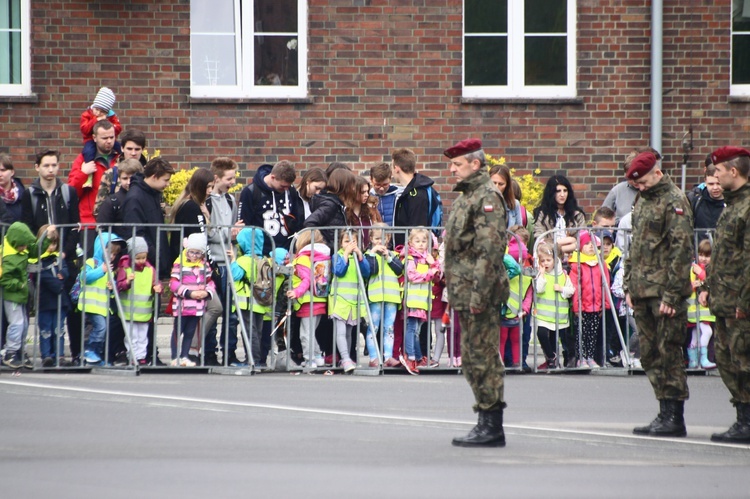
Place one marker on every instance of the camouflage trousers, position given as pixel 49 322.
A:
pixel 480 360
pixel 732 345
pixel 661 339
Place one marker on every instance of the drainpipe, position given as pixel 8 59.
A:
pixel 657 27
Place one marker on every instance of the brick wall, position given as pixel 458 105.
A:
pixel 383 74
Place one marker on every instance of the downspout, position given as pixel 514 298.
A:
pixel 657 31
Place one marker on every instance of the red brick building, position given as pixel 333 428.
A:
pixel 560 85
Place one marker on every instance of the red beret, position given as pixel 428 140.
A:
pixel 464 147
pixel 728 153
pixel 641 165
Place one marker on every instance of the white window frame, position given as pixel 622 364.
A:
pixel 740 90
pixel 515 89
pixel 24 88
pixel 246 87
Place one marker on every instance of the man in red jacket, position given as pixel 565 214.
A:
pixel 86 177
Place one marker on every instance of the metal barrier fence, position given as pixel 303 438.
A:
pixel 295 334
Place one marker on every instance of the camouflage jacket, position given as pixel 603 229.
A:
pixel 729 271
pixel 475 240
pixel 661 251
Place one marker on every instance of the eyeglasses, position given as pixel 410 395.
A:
pixel 195 253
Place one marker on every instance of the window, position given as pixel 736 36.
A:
pixel 740 84
pixel 15 48
pixel 519 49
pixel 248 48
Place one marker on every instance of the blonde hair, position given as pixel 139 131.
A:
pixel 380 228
pixel 545 249
pixel 419 231
pixel 306 237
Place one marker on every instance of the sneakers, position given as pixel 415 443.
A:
pixel 409 365
pixel 48 362
pixel 11 360
pixel 592 364
pixel 320 361
pixel 183 362
pixel 456 361
pixel 91 357
pixel 434 363
pixel 582 363
pixel 142 362
pixel 121 359
pixel 391 362
pixel 235 362
pixel 422 362
pixel 309 364
pixel 348 365
pixel 375 363
pixel 543 366
pixel 211 361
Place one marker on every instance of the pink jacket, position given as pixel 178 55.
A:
pixel 432 274
pixel 122 275
pixel 322 253
pixel 589 292
pixel 190 277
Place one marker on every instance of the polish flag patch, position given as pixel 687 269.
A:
pixel 679 211
pixel 488 208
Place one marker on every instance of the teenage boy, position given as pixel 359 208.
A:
pixel 143 206
pixel 110 211
pixel 412 207
pixel 223 208
pixel 133 143
pixel 387 193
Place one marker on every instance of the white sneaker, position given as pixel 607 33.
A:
pixel 175 362
pixel 320 361
pixel 348 365
pixel 186 362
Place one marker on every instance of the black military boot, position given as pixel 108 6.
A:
pixel 672 422
pixel 739 432
pixel 487 433
pixel 646 430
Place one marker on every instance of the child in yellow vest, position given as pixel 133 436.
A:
pixel 699 319
pixel 421 269
pixel 345 304
pixel 310 289
pixel 553 290
pixel 384 293
pixel 137 283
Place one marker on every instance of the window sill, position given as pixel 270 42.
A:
pixel 20 99
pixel 577 101
pixel 248 100
pixel 739 99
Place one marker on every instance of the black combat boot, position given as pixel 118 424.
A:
pixel 646 430
pixel 739 432
pixel 487 433
pixel 672 422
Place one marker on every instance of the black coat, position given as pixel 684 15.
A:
pixel 50 286
pixel 143 206
pixel 706 212
pixel 326 210
pixel 52 210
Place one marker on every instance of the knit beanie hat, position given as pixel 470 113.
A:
pixel 104 100
pixel 137 245
pixel 196 241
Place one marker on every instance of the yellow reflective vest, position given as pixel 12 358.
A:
pixel 384 287
pixel 515 301
pixel 94 298
pixel 140 296
pixel 419 294
pixel 550 309
pixel 344 300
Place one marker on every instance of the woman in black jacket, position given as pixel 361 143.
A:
pixel 328 209
pixel 190 208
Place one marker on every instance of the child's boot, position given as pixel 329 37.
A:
pixel 705 363
pixel 693 358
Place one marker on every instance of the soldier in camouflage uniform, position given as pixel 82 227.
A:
pixel 478 286
pixel 657 284
pixel 728 287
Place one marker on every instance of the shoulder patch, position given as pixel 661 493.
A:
pixel 488 208
pixel 679 211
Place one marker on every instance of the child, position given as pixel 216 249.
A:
pixel 439 305
pixel 421 270
pixel 110 210
pixel 54 304
pixel 192 288
pixel 310 289
pixel 246 272
pixel 137 284
pixel 100 109
pixel 699 320
pixel 588 297
pixel 625 313
pixel 553 289
pixel 345 305
pixel 19 245
pixel 384 293
pixel 519 301
pixel 527 262
pixel 95 293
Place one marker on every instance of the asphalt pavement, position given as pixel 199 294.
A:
pixel 282 435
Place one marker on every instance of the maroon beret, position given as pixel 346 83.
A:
pixel 464 147
pixel 641 165
pixel 728 153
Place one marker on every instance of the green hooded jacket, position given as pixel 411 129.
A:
pixel 15 278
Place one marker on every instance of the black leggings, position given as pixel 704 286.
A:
pixel 548 340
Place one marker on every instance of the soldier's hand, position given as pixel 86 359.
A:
pixel 667 310
pixel 739 314
pixel 627 300
pixel 703 298
pixel 475 310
